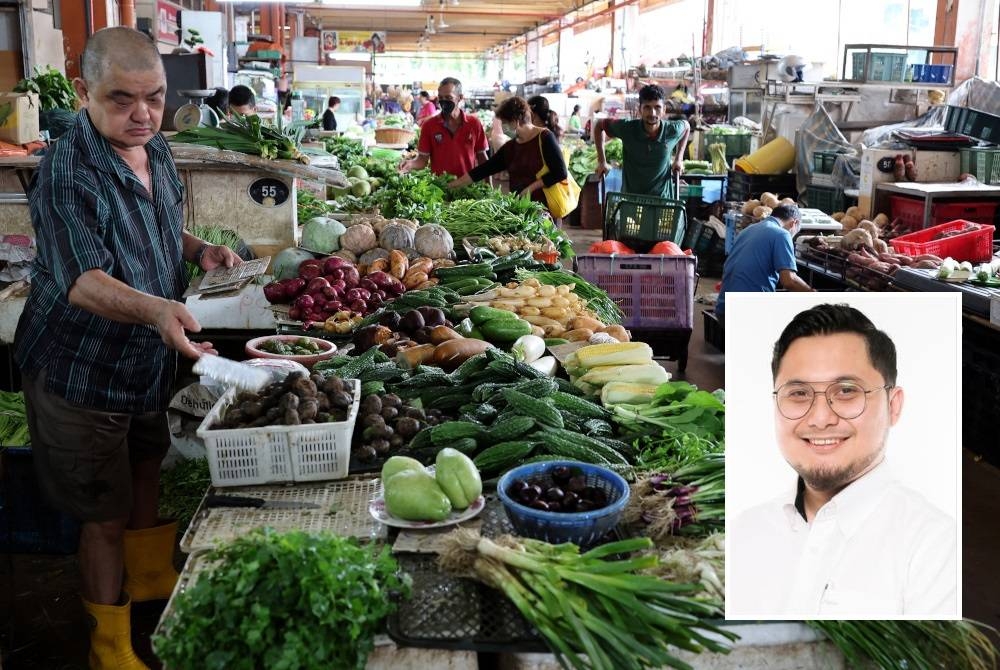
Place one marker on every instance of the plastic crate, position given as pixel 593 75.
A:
pixel 983 164
pixel 305 453
pixel 911 211
pixel 972 122
pixel 823 161
pixel 714 332
pixel 736 145
pixel 884 66
pixel 741 186
pixel 653 291
pixel 640 221
pixel 27 523
pixel 827 199
pixel 974 246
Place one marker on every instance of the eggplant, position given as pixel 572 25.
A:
pixel 432 316
pixel 390 320
pixel 423 335
pixel 412 322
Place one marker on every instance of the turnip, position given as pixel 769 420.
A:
pixel 357 294
pixel 339 285
pixel 368 284
pixel 316 285
pixel 351 276
pixel 331 293
pixel 304 302
pixel 359 306
pixel 275 292
pixel 334 274
pixel 310 268
pixel 334 263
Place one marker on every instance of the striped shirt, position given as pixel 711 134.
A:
pixel 90 211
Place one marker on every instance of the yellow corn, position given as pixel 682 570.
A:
pixel 623 353
pixel 626 392
pixel 650 373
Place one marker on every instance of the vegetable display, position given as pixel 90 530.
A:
pixel 181 489
pixel 386 424
pixel 598 301
pixel 249 135
pixel 585 603
pixel 568 493
pixel 54 89
pixel 282 600
pixel 295 400
pixel 13 420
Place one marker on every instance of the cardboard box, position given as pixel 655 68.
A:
pixel 10 69
pixel 18 117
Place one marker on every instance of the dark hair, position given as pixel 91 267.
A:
pixel 425 95
pixel 576 109
pixel 786 212
pixel 828 319
pixel 241 95
pixel 651 93
pixel 219 100
pixel 539 104
pixel 454 82
pixel 334 100
pixel 514 110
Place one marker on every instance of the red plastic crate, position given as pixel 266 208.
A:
pixel 911 211
pixel 653 291
pixel 973 246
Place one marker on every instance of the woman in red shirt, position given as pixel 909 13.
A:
pixel 427 108
pixel 523 158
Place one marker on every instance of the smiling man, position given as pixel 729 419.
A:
pixel 100 334
pixel 651 147
pixel 847 541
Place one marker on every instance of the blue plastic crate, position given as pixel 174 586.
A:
pixel 27 523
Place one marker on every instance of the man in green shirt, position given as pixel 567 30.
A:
pixel 648 146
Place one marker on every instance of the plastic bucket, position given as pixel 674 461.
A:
pixel 775 157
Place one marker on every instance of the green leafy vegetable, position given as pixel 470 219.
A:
pixel 54 90
pixel 282 600
pixel 348 151
pixel 250 135
pixel 181 489
pixel 13 420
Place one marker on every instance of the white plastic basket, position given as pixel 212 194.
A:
pixel 246 456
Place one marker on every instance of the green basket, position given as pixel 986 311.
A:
pixel 983 164
pixel 640 221
pixel 827 199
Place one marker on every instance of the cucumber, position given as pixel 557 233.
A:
pixel 468 270
pixel 505 331
pixel 555 341
pixel 480 314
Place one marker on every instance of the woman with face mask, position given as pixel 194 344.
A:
pixel 529 149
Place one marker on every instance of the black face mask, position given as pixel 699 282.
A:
pixel 447 107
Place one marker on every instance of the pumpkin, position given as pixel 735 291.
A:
pixel 347 255
pixel 373 255
pixel 433 241
pixel 609 247
pixel 359 238
pixel 396 236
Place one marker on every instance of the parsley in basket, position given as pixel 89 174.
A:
pixel 288 600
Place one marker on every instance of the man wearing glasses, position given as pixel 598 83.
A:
pixel 848 541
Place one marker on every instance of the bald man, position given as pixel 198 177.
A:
pixel 100 334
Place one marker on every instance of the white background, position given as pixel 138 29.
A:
pixel 924 447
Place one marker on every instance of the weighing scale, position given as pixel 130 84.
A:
pixel 195 113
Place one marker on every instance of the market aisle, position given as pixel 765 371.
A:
pixel 980 541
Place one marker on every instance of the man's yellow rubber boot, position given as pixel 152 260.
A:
pixel 111 639
pixel 149 563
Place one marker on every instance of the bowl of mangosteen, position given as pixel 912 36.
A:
pixel 563 501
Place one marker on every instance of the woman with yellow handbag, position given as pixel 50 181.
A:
pixel 533 161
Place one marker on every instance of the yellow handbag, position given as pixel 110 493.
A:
pixel 562 197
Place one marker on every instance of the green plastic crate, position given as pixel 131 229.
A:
pixel 827 199
pixel 884 66
pixel 823 161
pixel 983 164
pixel 640 221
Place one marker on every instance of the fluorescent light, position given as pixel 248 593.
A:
pixel 349 3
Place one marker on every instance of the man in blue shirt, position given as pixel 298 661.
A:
pixel 763 257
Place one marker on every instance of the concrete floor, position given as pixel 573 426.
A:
pixel 42 624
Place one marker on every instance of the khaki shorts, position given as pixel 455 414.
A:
pixel 83 457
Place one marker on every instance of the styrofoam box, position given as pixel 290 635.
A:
pixel 304 453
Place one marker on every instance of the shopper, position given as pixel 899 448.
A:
pixel 242 100
pixel 453 142
pixel 763 257
pixel 575 123
pixel 426 109
pixel 329 119
pixel 543 117
pixel 98 340
pixel 848 540
pixel 531 148
pixel 651 146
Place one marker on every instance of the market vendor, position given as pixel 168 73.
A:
pixel 98 340
pixel 763 257
pixel 242 100
pixel 453 141
pixel 651 146
pixel 847 540
pixel 529 150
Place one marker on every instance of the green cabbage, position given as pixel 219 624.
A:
pixel 322 234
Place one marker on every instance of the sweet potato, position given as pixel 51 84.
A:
pixel 926 265
pixel 414 279
pixel 441 334
pixel 399 264
pixel 449 355
pixel 422 264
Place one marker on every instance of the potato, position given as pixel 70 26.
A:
pixel 849 223
pixel 855 212
pixel 749 206
pixel 881 220
pixel 761 212
pixel 528 310
pixel 578 335
pixel 870 227
pixel 618 332
pixel 788 201
pixel 837 216
pixel 768 199
pixel 587 322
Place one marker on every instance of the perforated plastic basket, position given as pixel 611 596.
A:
pixel 245 456
pixel 654 291
pixel 911 211
pixel 640 221
pixel 975 245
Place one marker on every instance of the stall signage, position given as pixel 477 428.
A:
pixel 358 41
pixel 167 21
pixel 268 192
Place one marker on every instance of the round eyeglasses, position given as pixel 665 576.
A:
pixel 847 399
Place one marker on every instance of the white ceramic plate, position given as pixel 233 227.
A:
pixel 377 509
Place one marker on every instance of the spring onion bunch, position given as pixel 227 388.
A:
pixel 690 501
pixel 913 645
pixel 695 560
pixel 249 135
pixel 503 214
pixel 598 301
pixel 581 604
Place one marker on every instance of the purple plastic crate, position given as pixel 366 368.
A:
pixel 654 291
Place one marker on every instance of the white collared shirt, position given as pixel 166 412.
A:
pixel 876 550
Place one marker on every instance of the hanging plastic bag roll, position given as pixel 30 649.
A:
pixel 231 373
